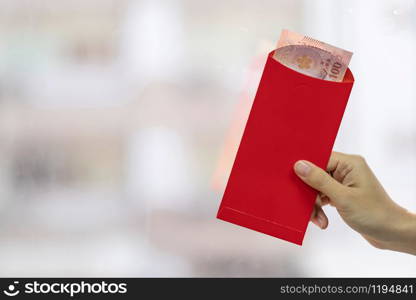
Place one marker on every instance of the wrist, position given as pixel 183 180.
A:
pixel 405 233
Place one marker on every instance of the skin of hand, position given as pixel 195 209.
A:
pixel 350 186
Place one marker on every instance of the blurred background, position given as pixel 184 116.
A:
pixel 119 121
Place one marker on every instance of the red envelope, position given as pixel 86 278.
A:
pixel 293 117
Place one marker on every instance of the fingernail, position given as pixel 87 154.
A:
pixel 302 168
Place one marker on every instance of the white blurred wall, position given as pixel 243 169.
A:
pixel 119 121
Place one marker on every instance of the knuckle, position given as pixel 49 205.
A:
pixel 358 158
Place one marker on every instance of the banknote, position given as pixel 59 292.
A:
pixel 312 57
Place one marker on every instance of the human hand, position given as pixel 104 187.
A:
pixel 351 187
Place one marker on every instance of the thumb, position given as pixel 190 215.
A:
pixel 320 180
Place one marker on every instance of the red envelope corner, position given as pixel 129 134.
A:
pixel 294 116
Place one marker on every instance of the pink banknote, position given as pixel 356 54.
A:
pixel 312 57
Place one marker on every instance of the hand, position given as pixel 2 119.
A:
pixel 351 187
